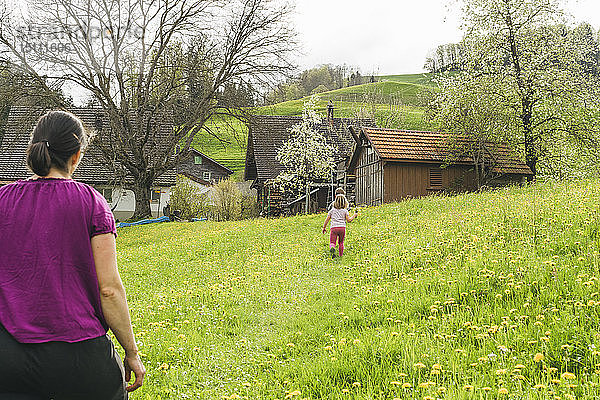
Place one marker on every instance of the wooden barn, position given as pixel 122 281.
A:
pixel 391 165
pixel 267 134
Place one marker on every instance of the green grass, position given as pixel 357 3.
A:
pixel 449 297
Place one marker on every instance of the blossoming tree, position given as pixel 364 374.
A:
pixel 306 156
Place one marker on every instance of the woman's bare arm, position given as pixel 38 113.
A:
pixel 114 305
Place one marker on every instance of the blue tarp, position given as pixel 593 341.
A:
pixel 142 222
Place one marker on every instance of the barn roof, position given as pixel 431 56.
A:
pixel 93 169
pixel 403 145
pixel 267 133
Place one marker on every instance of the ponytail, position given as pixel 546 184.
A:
pixel 38 158
pixel 56 137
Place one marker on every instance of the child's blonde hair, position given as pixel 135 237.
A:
pixel 340 202
pixel 340 191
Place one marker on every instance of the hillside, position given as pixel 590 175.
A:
pixel 394 100
pixel 491 295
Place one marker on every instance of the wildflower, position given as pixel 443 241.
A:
pixel 468 388
pixel 345 391
pixel 538 357
pixel 356 384
pixel 539 386
pixel 568 376
pixel 419 365
pixel 500 371
pixel 406 385
pixel 395 383
pixel 486 389
pixel 292 394
pixel 519 366
pixel 503 391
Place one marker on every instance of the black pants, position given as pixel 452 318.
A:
pixel 90 370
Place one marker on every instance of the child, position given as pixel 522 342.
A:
pixel 337 191
pixel 338 215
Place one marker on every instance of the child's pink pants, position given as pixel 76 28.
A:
pixel 337 234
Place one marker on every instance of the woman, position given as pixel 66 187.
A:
pixel 60 290
pixel 338 215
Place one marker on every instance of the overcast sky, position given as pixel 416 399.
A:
pixel 387 36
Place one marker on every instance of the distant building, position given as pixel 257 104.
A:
pixel 202 169
pixel 391 165
pixel 267 134
pixel 92 170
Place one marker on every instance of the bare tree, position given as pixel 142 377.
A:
pixel 150 61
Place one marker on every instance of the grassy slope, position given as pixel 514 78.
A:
pixel 450 297
pixel 365 99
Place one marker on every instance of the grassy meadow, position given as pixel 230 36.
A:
pixel 479 296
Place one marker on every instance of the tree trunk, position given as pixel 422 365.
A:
pixel 524 94
pixel 142 201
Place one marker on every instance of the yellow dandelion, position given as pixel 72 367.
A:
pixel 568 375
pixel 436 366
pixel 519 366
pixel 538 357
pixel 539 386
pixel 468 388
pixel 356 384
pixel 406 385
pixel 500 371
pixel 345 390
pixel 292 394
pixel 441 389
pixel 503 391
pixel 395 383
pixel 419 365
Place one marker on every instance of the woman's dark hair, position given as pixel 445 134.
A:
pixel 56 137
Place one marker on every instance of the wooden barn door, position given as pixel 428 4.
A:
pixel 369 179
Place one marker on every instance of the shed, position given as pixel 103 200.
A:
pixel 266 135
pixel 391 165
pixel 92 170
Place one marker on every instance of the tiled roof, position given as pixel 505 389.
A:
pixel 93 169
pixel 400 145
pixel 268 133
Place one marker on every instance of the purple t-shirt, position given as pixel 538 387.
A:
pixel 48 283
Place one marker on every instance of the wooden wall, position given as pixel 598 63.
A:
pixel 369 178
pixel 405 180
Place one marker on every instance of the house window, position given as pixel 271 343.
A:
pixel 206 175
pixel 197 160
pixel 435 177
pixel 107 193
pixel 155 196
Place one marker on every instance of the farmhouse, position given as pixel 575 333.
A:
pixel 392 165
pixel 265 137
pixel 202 169
pixel 93 170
